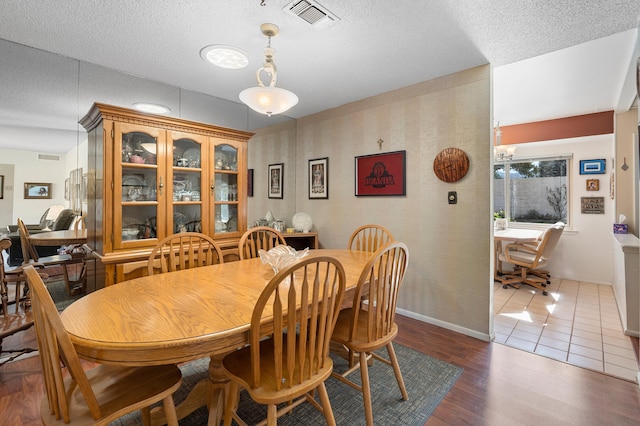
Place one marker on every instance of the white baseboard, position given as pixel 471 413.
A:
pixel 446 325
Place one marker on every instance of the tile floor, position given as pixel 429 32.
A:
pixel 577 323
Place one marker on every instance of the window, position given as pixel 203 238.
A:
pixel 532 190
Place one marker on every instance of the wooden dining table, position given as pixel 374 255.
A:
pixel 59 238
pixel 182 316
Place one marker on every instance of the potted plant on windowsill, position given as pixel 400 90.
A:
pixel 499 220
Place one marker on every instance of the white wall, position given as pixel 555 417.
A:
pixel 28 168
pixel 585 250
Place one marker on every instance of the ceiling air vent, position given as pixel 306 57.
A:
pixel 48 157
pixel 312 12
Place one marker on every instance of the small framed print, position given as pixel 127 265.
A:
pixel 276 174
pixel 319 178
pixel 593 184
pixel 593 167
pixel 36 191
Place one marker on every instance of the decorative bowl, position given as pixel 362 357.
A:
pixel 281 256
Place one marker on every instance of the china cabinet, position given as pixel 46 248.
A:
pixel 151 176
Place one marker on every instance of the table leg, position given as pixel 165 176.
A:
pixel 210 392
pixel 217 390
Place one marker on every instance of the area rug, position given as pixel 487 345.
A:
pixel 427 380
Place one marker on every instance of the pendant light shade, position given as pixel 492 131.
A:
pixel 268 99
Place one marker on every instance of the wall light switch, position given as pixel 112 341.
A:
pixel 452 197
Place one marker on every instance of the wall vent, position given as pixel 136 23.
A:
pixel 48 157
pixel 312 12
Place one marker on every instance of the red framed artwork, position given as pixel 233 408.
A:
pixel 381 174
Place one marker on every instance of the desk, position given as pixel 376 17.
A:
pixel 181 316
pixel 59 238
pixel 511 235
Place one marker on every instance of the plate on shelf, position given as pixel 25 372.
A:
pixel 193 156
pixel 133 180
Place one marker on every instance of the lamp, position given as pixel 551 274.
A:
pixel 52 215
pixel 502 152
pixel 268 99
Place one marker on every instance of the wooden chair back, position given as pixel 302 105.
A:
pixel 379 283
pixel 102 394
pixel 258 238
pixel 56 349
pixel 184 250
pixel 369 238
pixel 6 278
pixel 29 253
pixel 313 288
pixel 16 316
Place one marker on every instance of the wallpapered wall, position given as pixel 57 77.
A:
pixel 449 280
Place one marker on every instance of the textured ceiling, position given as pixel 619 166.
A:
pixel 372 47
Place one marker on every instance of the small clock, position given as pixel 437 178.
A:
pixel 451 165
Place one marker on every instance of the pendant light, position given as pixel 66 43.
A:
pixel 268 99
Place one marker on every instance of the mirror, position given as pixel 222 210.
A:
pixel 45 95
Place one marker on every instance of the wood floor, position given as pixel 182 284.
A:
pixel 499 386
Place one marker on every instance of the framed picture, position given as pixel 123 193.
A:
pixel 66 189
pixel 381 174
pixel 593 184
pixel 1 187
pixel 593 167
pixel 37 190
pixel 319 178
pixel 249 182
pixel 275 179
pixel 592 205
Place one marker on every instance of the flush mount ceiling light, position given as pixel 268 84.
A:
pixel 225 56
pixel 268 99
pixel 151 108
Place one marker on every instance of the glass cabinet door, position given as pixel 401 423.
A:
pixel 226 189
pixel 135 186
pixel 186 174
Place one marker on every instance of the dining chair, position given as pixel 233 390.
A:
pixel 528 258
pixel 102 394
pixel 184 250
pixel 65 260
pixel 369 238
pixel 16 315
pixel 258 238
pixel 362 329
pixel 288 356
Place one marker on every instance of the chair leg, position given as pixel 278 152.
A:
pixel 145 413
pixel 272 415
pixel 396 370
pixel 170 411
pixel 232 402
pixel 326 405
pixel 366 389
